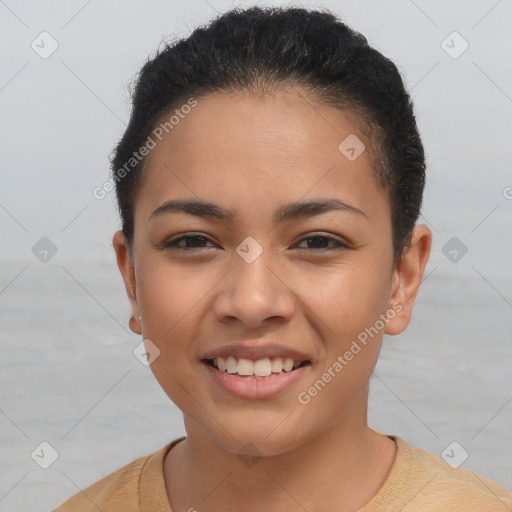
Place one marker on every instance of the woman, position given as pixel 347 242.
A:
pixel 269 183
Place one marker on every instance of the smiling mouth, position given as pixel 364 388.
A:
pixel 256 369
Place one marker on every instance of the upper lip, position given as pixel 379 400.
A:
pixel 247 351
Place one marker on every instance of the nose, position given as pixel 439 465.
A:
pixel 253 293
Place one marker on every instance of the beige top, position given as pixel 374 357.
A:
pixel 417 482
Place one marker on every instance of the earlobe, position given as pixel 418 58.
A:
pixel 134 324
pixel 127 268
pixel 407 278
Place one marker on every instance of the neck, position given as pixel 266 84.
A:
pixel 340 469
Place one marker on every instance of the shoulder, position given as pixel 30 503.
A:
pixel 431 484
pixel 117 491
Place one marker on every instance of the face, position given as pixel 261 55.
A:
pixel 259 243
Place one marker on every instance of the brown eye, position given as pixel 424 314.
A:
pixel 321 243
pixel 187 242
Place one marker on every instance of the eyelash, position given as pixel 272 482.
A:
pixel 173 244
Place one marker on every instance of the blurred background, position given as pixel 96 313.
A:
pixel 68 376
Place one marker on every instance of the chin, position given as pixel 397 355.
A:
pixel 258 438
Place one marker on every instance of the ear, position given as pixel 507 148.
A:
pixel 127 268
pixel 407 278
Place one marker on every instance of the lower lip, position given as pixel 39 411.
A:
pixel 255 388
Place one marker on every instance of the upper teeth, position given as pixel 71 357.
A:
pixel 260 367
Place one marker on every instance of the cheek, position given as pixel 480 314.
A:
pixel 169 295
pixel 170 301
pixel 349 305
pixel 346 299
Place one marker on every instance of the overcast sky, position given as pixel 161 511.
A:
pixel 61 115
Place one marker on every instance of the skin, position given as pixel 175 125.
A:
pixel 253 155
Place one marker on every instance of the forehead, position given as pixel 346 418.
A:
pixel 251 149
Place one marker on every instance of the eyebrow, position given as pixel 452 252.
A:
pixel 286 212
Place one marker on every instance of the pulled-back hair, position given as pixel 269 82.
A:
pixel 262 49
